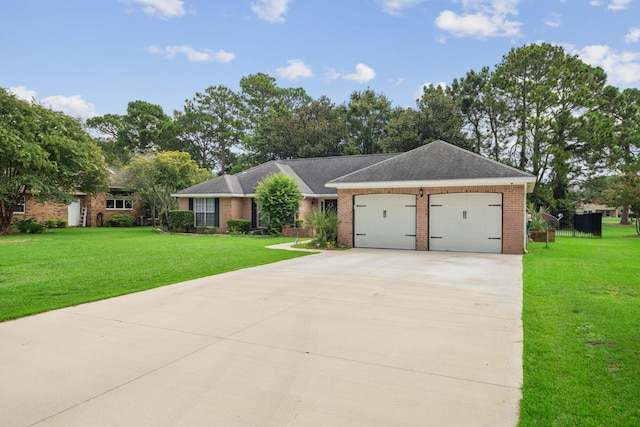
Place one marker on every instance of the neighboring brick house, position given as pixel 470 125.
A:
pixel 118 200
pixel 437 197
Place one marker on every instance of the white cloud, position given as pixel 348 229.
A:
pixel 192 55
pixel 332 74
pixel 481 19
pixel 394 7
pixel 613 4
pixel 73 105
pixel 554 20
pixel 271 10
pixel 619 4
pixel 420 91
pixel 633 35
pixel 162 8
pixel 621 68
pixel 294 70
pixel 23 93
pixel 363 74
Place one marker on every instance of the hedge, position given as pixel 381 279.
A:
pixel 121 220
pixel 178 220
pixel 239 226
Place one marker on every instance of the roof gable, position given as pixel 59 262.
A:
pixel 436 161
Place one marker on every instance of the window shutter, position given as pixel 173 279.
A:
pixel 216 218
pixel 190 203
pixel 254 214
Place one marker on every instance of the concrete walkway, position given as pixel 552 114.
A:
pixel 342 338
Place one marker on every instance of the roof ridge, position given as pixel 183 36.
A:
pixel 254 167
pixel 346 156
pixel 293 174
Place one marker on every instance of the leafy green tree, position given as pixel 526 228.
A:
pixel 441 118
pixel 212 123
pixel 625 191
pixel 614 133
pixel 279 197
pixel 367 117
pixel 264 100
pixel 548 92
pixel 314 130
pixel 43 154
pixel 261 99
pixel 403 133
pixel 438 117
pixel 155 176
pixel 144 128
pixel 484 111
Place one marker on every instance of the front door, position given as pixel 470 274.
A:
pixel 73 213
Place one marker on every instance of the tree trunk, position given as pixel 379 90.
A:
pixel 624 218
pixel 6 223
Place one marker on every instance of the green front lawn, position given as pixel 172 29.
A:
pixel 581 309
pixel 65 267
pixel 581 319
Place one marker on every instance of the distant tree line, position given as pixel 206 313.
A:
pixel 540 109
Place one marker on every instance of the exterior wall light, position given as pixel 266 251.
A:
pixel 421 192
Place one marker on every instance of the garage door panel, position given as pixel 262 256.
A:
pixel 385 221
pixel 465 222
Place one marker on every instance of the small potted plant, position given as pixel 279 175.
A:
pixel 537 229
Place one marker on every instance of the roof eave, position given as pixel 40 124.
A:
pixel 206 195
pixel 528 182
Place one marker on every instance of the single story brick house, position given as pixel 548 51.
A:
pixel 85 210
pixel 437 197
pixel 606 211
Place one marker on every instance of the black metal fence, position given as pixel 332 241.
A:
pixel 582 225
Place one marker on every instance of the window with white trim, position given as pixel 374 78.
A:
pixel 21 208
pixel 120 204
pixel 205 212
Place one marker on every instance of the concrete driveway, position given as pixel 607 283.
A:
pixel 353 338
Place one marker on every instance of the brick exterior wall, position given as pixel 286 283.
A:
pixel 95 204
pixel 513 211
pixel 229 208
pixel 241 208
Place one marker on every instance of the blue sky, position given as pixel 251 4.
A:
pixel 90 58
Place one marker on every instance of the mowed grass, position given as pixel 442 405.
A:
pixel 581 316
pixel 66 267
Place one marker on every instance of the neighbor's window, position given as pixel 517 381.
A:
pixel 20 209
pixel 120 204
pixel 205 211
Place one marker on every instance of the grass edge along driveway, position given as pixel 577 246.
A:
pixel 581 317
pixel 66 267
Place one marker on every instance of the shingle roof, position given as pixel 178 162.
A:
pixel 316 172
pixel 436 161
pixel 311 173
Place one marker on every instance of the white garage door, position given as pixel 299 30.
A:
pixel 465 222
pixel 385 221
